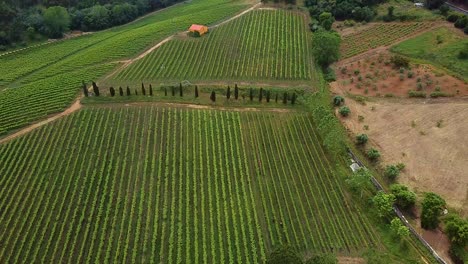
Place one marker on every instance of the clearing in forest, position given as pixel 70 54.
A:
pixel 263 45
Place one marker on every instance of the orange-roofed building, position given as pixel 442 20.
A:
pixel 198 28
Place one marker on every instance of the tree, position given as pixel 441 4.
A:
pixel 434 4
pixel 399 61
pixel 236 92
pixel 398 229
pixel 326 47
pixel 112 91
pixel 95 89
pixel 121 91
pixel 326 20
pixel 432 207
pixel 128 91
pixel 383 203
pixel 268 96
pixel 165 91
pixel 390 11
pixel 151 90
pixel 456 229
pixel 322 259
pixel 173 90
pixel 276 98
pixel 404 198
pixel 461 22
pixel 338 100
pixel 181 90
pixel 260 95
pixel 228 92
pixel 251 94
pixel 213 96
pixel 373 154
pixel 96 18
pixel 360 180
pixel 293 98
pixel 344 111
pixel 363 13
pixel 362 139
pixel 196 91
pixel 143 90
pixel 391 172
pixel 136 91
pixel 283 255
pixel 56 21
pixel 285 98
pixel 85 89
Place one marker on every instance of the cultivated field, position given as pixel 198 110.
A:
pixel 50 76
pixel 263 45
pixel 439 47
pixel 377 35
pixel 149 184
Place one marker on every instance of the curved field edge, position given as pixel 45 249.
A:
pixel 209 190
pixel 75 60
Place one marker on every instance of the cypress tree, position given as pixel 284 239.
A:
pixel 165 91
pixel 228 93
pixel 85 90
pixel 173 90
pixel 268 96
pixel 196 91
pixel 151 90
pixel 285 98
pixel 112 91
pixel 236 92
pixel 251 94
pixel 260 95
pixel 128 91
pixel 293 99
pixel 136 91
pixel 143 90
pixel 121 91
pixel 213 96
pixel 181 90
pixel 95 89
pixel 276 98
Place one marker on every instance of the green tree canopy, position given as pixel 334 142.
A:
pixel 405 198
pixel 323 259
pixel 384 204
pixel 326 47
pixel 56 21
pixel 456 229
pixel 283 255
pixel 398 229
pixel 432 207
pixel 326 20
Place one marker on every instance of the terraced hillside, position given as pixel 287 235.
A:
pixel 149 184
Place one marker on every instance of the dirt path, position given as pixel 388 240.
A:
pixel 73 108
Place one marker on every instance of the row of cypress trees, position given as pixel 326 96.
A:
pixel 262 93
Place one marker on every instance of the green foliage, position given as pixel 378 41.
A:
pixel 434 4
pixel 360 180
pixel 391 172
pixel 325 47
pixel 432 207
pixel 326 20
pixel 56 21
pixel 383 203
pixel 461 22
pixel 362 139
pixel 399 230
pixel 453 17
pixel 344 111
pixel 405 199
pixel 213 96
pixel 373 154
pixel 338 100
pixel 456 229
pixel 399 61
pixel 417 94
pixel 284 255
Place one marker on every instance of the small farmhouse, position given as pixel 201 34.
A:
pixel 198 28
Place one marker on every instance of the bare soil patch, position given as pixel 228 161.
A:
pixel 428 135
pixel 374 75
pixel 351 260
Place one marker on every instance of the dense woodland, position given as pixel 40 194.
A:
pixel 25 20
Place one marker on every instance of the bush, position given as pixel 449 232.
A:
pixel 453 17
pixel 461 22
pixel 344 111
pixel 362 139
pixel 391 172
pixel 373 154
pixel 405 199
pixel 326 47
pixel 399 61
pixel 417 94
pixel 338 100
pixel 282 255
pixel 432 207
pixel 410 74
pixel 329 75
pixel 465 30
pixel 439 94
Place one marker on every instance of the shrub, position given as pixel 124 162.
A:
pixel 453 17
pixel 402 77
pixel 463 54
pixel 362 139
pixel 344 111
pixel 399 61
pixel 432 207
pixel 329 75
pixel 398 229
pixel 283 254
pixel 439 94
pixel 461 22
pixel 391 172
pixel 419 86
pixel 338 100
pixel 404 198
pixel 410 74
pixel 373 154
pixel 417 94
pixel 356 72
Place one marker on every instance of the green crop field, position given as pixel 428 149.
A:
pixel 149 184
pixel 378 35
pixel 46 79
pixel 440 47
pixel 236 50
